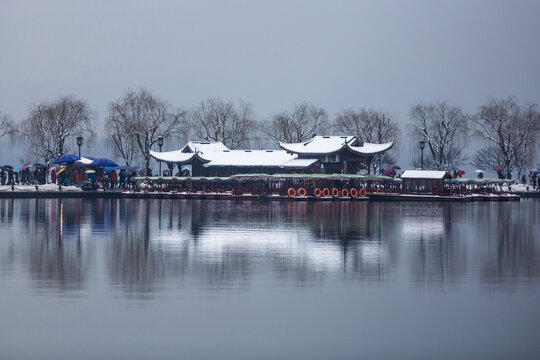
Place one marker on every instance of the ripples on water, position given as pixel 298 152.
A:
pixel 155 252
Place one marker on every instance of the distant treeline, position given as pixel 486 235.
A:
pixel 136 121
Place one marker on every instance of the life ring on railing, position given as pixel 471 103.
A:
pixel 335 192
pixel 344 193
pixel 379 190
pixel 291 192
pixel 317 192
pixel 362 192
pixel 354 193
pixel 302 192
pixel 326 192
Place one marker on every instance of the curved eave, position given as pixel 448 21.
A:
pixel 174 157
pixel 243 165
pixel 305 165
pixel 194 157
pixel 367 151
pixel 311 153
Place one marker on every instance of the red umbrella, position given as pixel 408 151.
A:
pixel 460 172
pixel 387 171
pixel 499 169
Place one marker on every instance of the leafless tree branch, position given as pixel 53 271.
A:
pixel 444 128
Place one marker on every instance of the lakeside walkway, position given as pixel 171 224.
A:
pixel 52 191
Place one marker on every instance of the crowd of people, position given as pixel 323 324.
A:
pixel 68 176
pixel 534 179
pixel 97 178
pixel 28 176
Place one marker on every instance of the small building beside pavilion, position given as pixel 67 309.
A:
pixel 425 182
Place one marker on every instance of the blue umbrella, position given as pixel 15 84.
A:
pixel 104 162
pixel 66 159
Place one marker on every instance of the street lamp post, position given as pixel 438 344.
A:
pixel 422 146
pixel 79 143
pixel 160 144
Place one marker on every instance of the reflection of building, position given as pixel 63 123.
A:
pixel 330 154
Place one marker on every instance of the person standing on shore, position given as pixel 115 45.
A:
pixel 10 177
pixel 53 176
pixel 113 179
pixel 2 177
pixel 122 180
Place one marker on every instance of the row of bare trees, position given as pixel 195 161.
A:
pixel 139 118
pixel 507 131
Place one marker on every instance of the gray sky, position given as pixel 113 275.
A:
pixel 336 54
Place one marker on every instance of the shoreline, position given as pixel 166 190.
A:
pixel 121 194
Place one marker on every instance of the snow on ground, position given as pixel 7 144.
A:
pixel 518 188
pixel 46 187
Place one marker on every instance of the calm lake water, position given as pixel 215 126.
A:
pixel 189 279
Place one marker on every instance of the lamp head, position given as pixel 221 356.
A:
pixel 160 141
pixel 79 140
pixel 422 144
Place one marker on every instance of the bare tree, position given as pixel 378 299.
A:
pixel 488 157
pixel 511 133
pixel 215 120
pixel 297 125
pixel 143 118
pixel 444 128
pixel 7 126
pixel 371 126
pixel 52 126
pixel 120 138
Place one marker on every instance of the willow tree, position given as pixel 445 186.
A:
pixel 510 132
pixel 371 126
pixel 51 127
pixel 223 121
pixel 7 126
pixel 444 128
pixel 298 124
pixel 138 119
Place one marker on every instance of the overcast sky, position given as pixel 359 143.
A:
pixel 336 54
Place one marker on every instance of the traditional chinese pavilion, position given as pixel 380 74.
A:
pixel 338 154
pixel 321 154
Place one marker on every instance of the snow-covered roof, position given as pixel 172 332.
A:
pixel 251 158
pixel 322 145
pixel 85 161
pixel 299 163
pixel 217 154
pixel 425 174
pixel 371 149
pixel 177 156
pixel 204 147
pixel 319 145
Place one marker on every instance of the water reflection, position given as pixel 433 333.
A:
pixel 144 246
pixel 46 237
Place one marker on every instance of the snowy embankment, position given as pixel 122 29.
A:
pixel 33 188
pixel 519 188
